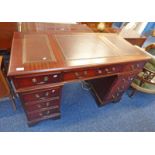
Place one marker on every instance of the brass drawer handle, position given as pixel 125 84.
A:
pixel 48 104
pixel 117 94
pixel 85 73
pixel 53 91
pixel 100 71
pixel 40 114
pixel 37 95
pixel 47 112
pixel 47 94
pixel 55 76
pixel 113 97
pixel 132 67
pixel 34 80
pixel 130 78
pixel 120 89
pixel 137 65
pixel 108 71
pixel 46 78
pixel 41 98
pixel 80 76
pixel 113 69
pixel 123 80
pixel 39 106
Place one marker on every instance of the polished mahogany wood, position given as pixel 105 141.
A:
pixel 94 25
pixel 110 89
pixel 137 41
pixel 6 34
pixel 68 57
pixel 134 40
pixel 40 95
pixel 5 89
pixel 108 48
pixel 38 105
pixel 53 27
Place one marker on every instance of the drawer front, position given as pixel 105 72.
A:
pixel 43 114
pixel 134 66
pixel 42 105
pixel 88 73
pixel 23 82
pixel 78 75
pixel 120 87
pixel 40 95
pixel 109 70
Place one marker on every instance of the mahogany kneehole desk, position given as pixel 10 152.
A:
pixel 41 63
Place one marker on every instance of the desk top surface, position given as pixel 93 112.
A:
pixel 43 52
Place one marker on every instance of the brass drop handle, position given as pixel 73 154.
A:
pixel 37 95
pixel 34 80
pixel 80 76
pixel 113 97
pixel 100 71
pixel 121 89
pixel 46 78
pixel 53 91
pixel 41 98
pixel 138 65
pixel 47 104
pixel 39 106
pixel 130 78
pixel 47 93
pixel 123 80
pixel 55 76
pixel 40 114
pixel 85 73
pixel 117 94
pixel 113 69
pixel 108 71
pixel 47 112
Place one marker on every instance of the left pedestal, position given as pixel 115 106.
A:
pixel 41 104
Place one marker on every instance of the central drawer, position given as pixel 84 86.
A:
pixel 40 95
pixel 93 72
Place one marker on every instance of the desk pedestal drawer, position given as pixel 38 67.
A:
pixel 40 105
pixel 40 95
pixel 43 113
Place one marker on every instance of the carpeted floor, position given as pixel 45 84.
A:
pixel 80 113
